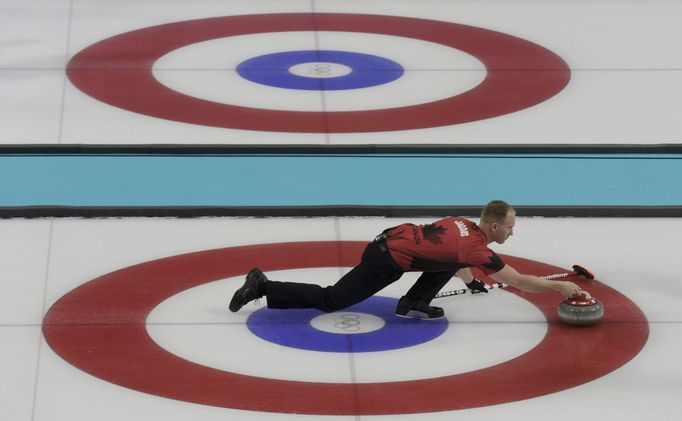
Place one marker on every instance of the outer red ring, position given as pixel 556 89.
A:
pixel 118 71
pixel 100 328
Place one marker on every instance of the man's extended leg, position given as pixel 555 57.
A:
pixel 375 271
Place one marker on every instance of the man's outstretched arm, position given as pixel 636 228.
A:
pixel 531 283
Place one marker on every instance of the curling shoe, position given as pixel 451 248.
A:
pixel 418 310
pixel 253 289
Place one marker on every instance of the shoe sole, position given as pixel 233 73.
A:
pixel 235 303
pixel 412 314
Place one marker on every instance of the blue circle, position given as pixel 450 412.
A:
pixel 292 328
pixel 366 70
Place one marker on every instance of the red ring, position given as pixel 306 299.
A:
pixel 100 328
pixel 118 71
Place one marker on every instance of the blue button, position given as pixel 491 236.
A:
pixel 292 328
pixel 366 70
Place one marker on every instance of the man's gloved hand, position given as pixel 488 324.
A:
pixel 477 286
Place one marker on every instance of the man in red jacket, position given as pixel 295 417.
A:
pixel 446 248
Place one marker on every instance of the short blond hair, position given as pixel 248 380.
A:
pixel 495 211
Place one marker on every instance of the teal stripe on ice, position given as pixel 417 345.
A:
pixel 309 180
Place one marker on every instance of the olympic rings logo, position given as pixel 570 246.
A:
pixel 348 322
pixel 321 70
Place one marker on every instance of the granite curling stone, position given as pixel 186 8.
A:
pixel 580 311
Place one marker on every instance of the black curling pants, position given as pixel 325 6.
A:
pixel 428 285
pixel 376 270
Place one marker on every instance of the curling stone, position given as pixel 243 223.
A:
pixel 580 311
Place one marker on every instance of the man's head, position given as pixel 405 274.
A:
pixel 497 221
